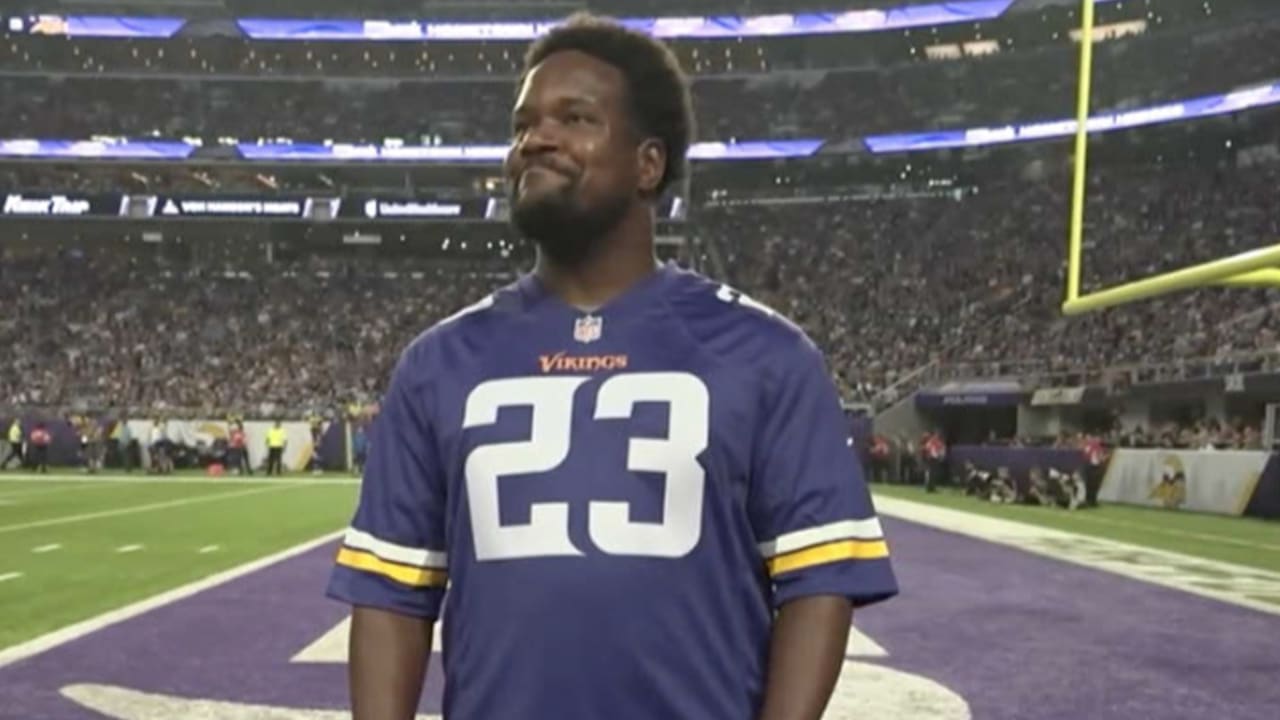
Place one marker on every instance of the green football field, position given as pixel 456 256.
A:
pixel 1244 541
pixel 73 547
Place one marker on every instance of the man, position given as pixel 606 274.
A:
pixel 277 439
pixel 238 450
pixel 359 447
pixel 316 423
pixel 39 444
pixel 1095 458
pixel 934 450
pixel 635 482
pixel 15 444
pixel 94 450
pixel 161 457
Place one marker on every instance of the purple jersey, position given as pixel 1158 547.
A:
pixel 615 501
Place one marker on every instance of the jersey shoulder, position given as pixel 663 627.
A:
pixel 733 325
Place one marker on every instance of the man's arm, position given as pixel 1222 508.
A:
pixel 388 660
pixel 806 652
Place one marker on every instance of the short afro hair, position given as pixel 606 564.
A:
pixel 657 88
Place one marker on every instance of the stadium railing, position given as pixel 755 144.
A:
pixel 1049 374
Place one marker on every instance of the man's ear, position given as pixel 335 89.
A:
pixel 651 164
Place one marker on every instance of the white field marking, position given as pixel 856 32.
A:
pixel 208 549
pixel 10 576
pixel 83 481
pixel 1227 582
pixel 92 625
pixel 140 508
pixel 1143 527
pixel 46 548
pixel 863 690
pixel 331 647
pixel 129 548
pixel 122 703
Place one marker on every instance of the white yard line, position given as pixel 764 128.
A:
pixel 1228 582
pixel 208 549
pixel 10 576
pixel 141 508
pixel 80 629
pixel 46 548
pixel 129 548
pixel 1143 527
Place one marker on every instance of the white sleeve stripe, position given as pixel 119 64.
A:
pixel 417 557
pixel 868 529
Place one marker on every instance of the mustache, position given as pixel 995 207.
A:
pixel 544 164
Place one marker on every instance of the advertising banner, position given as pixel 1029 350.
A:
pixel 1214 481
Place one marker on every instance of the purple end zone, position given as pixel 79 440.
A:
pixel 1017 635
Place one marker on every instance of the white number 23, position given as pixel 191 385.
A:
pixel 608 523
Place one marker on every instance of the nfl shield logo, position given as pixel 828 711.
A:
pixel 587 329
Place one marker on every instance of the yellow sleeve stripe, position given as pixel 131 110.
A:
pixel 403 574
pixel 828 553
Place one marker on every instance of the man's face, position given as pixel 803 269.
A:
pixel 572 167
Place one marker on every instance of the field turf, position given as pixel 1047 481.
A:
pixel 72 548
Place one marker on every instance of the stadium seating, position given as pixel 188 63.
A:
pixel 886 287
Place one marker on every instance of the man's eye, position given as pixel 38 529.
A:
pixel 575 118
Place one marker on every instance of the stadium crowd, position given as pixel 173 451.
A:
pixel 99 327
pixel 887 287
pixel 891 286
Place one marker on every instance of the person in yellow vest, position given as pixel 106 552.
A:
pixel 15 445
pixel 276 441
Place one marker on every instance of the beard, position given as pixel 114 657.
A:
pixel 567 230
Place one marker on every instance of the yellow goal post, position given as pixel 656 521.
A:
pixel 1260 267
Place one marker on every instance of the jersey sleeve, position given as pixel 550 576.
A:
pixel 393 556
pixel 809 505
